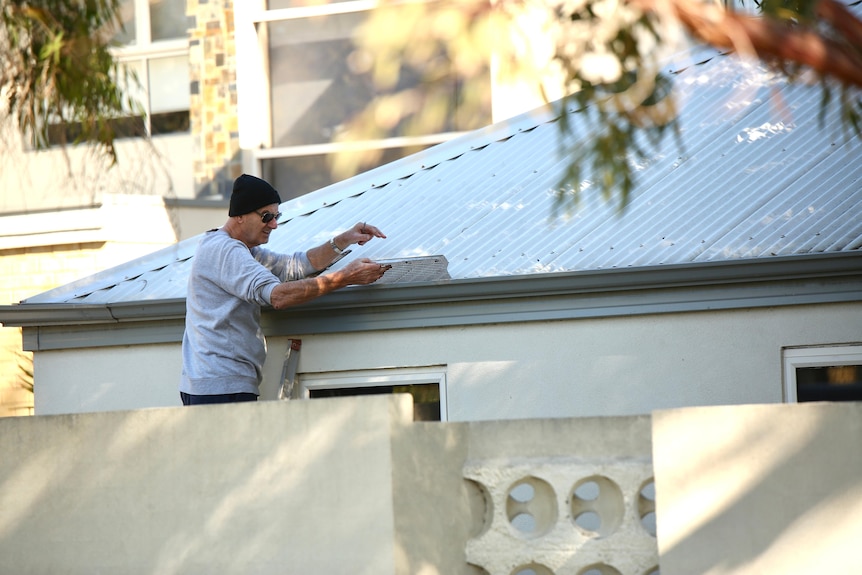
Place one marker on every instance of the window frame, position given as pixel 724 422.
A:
pixel 815 356
pixel 391 376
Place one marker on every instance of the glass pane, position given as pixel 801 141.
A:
pixel 829 383
pixel 168 20
pixel 297 176
pixel 319 81
pixel 169 84
pixel 426 397
pixel 169 123
pixel 126 13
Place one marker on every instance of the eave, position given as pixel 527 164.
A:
pixel 734 284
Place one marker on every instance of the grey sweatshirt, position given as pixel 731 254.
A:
pixel 223 345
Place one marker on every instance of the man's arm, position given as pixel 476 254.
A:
pixel 357 272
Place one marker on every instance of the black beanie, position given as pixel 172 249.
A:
pixel 250 194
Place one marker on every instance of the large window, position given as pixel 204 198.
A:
pixel 829 373
pixel 427 385
pixel 154 44
pixel 318 80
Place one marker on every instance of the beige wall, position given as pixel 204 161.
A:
pixel 353 486
pixel 758 489
pixel 41 251
pixel 604 366
pixel 336 486
pixel 25 272
pixel 610 366
pixel 68 214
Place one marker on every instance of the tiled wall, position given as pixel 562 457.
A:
pixel 212 73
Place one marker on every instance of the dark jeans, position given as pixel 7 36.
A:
pixel 222 398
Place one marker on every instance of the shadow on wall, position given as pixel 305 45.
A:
pixel 759 489
pixel 250 488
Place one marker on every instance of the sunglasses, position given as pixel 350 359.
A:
pixel 267 217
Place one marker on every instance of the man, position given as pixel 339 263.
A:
pixel 232 277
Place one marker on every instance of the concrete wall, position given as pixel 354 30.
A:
pixel 335 486
pixel 77 177
pixel 590 367
pixel 352 486
pixel 757 489
pixel 263 488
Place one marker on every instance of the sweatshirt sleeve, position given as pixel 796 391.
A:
pixel 239 274
pixel 284 267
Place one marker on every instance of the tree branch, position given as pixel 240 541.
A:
pixel 774 39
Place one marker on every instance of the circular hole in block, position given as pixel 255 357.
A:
pixel 522 492
pixel 531 506
pixel 589 521
pixel 648 523
pixel 481 507
pixel 524 522
pixel 597 505
pixel 587 490
pixel 532 569
pixel 646 506
pixel 599 569
pixel 648 490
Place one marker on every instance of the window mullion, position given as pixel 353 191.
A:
pixel 142 18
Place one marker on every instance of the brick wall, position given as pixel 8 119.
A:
pixel 23 273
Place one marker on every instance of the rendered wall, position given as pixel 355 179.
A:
pixel 749 490
pixel 606 366
pixel 352 486
pixel 252 488
pixel 336 486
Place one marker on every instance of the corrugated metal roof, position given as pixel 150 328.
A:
pixel 758 175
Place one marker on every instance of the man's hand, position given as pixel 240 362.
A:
pixel 358 272
pixel 361 233
pixel 364 271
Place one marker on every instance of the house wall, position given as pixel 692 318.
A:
pixel 76 176
pixel 590 367
pixel 24 272
pixel 586 367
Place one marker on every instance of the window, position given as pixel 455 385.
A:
pixel 155 46
pixel 427 385
pixel 318 81
pixel 829 373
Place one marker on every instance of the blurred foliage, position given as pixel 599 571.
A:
pixel 57 68
pixel 603 59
